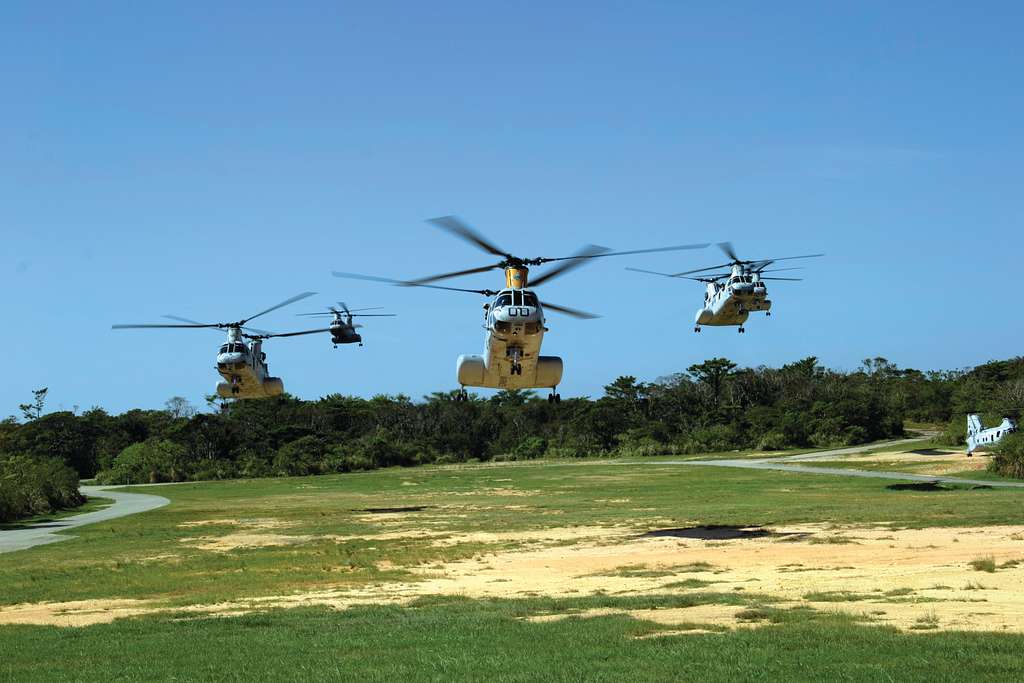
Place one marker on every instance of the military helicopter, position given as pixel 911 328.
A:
pixel 514 318
pixel 730 297
pixel 342 330
pixel 243 367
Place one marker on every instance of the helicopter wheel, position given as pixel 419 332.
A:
pixel 696 329
pixel 767 314
pixel 742 330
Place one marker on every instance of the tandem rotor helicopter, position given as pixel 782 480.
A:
pixel 514 318
pixel 342 330
pixel 730 297
pixel 243 367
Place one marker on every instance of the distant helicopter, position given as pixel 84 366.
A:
pixel 730 297
pixel 243 367
pixel 979 438
pixel 342 330
pixel 514 318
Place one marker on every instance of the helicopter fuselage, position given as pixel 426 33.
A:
pixel 731 303
pixel 244 371
pixel 514 332
pixel 344 333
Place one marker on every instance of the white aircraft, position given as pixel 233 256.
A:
pixel 731 297
pixel 243 368
pixel 979 438
pixel 514 321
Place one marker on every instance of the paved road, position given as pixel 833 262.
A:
pixel 784 464
pixel 48 532
pixel 851 450
pixel 838 471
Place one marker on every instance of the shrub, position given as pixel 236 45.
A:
pixel 1008 456
pixel 36 487
pixel 772 441
pixel 531 448
pixel 149 462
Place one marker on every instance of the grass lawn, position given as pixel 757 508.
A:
pixel 437 515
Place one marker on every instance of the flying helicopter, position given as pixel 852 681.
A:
pixel 514 320
pixel 242 366
pixel 341 328
pixel 730 297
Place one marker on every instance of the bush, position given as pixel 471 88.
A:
pixel 531 448
pixel 773 441
pixel 36 487
pixel 150 462
pixel 1008 456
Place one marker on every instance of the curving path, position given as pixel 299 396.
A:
pixel 784 464
pixel 42 533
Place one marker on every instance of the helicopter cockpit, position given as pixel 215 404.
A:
pixel 515 297
pixel 234 347
pixel 515 312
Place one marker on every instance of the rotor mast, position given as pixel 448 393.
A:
pixel 516 276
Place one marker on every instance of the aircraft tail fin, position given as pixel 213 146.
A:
pixel 973 424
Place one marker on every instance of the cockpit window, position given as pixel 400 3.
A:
pixel 504 299
pixel 529 299
pixel 224 349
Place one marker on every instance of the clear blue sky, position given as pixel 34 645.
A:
pixel 210 159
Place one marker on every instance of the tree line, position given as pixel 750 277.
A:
pixel 712 406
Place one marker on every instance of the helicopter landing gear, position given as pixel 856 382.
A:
pixel 767 314
pixel 462 396
pixel 743 330
pixel 554 397
pixel 697 328
pixel 514 353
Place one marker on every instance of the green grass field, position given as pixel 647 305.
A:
pixel 368 532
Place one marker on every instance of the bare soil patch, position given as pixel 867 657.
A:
pixel 898 577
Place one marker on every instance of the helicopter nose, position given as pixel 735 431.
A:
pixel 517 314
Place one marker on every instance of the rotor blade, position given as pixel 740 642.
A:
pixel 791 279
pixel 258 332
pixel 651 272
pixel 374 315
pixel 296 334
pixel 368 308
pixel 456 227
pixel 786 258
pixel 777 270
pixel 405 283
pixel 570 311
pixel 182 320
pixel 344 307
pixel 623 253
pixel 297 297
pixel 457 273
pixel 701 270
pixel 159 326
pixel 729 251
pixel 571 263
pixel 325 315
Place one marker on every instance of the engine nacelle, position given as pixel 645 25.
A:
pixel 271 386
pixel 549 371
pixel 470 370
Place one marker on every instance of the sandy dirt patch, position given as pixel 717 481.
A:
pixel 938 461
pixel 74 613
pixel 223 544
pixel 907 578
